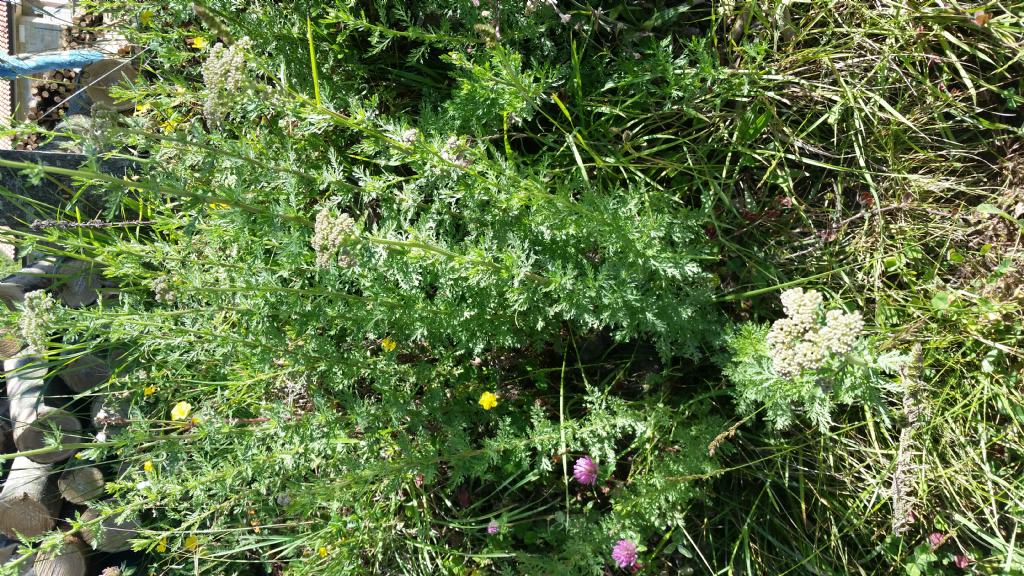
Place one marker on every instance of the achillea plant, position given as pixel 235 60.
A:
pixel 422 256
pixel 329 234
pixel 225 75
pixel 806 363
pixel 38 319
pixel 807 341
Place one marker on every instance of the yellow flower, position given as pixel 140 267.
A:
pixel 218 206
pixel 388 344
pixel 146 17
pixel 147 465
pixel 196 420
pixel 169 125
pixel 149 390
pixel 142 109
pixel 191 543
pixel 199 43
pixel 161 546
pixel 488 400
pixel 181 411
pixel 322 551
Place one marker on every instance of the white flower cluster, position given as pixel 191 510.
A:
pixel 224 74
pixel 840 332
pixel 329 233
pixel 162 290
pixel 37 315
pixel 454 152
pixel 806 338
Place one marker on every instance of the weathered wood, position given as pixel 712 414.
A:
pixel 9 553
pixel 112 536
pixel 70 560
pixel 34 277
pixel 10 343
pixel 6 434
pixel 29 501
pixel 8 245
pixel 79 283
pixel 81 484
pixel 84 372
pixel 31 435
pixel 32 419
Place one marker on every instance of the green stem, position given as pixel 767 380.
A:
pixel 149 186
pixel 422 246
pixel 57 448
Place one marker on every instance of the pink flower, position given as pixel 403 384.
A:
pixel 493 527
pixel 962 561
pixel 585 471
pixel 624 554
pixel 936 539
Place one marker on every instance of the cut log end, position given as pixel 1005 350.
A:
pixel 68 561
pixel 10 343
pixel 85 372
pixel 32 419
pixel 32 435
pixel 27 503
pixel 9 554
pixel 22 370
pixel 24 516
pixel 111 535
pixel 81 284
pixel 80 485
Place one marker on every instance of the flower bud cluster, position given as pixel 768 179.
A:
pixel 224 74
pixel 806 338
pixel 162 290
pixel 329 233
pixel 840 332
pixel 802 307
pixel 36 319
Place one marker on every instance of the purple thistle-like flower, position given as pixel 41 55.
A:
pixel 624 554
pixel 493 528
pixel 585 471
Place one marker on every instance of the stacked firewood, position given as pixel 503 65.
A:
pixel 51 91
pixel 83 32
pixel 47 396
pixel 48 104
